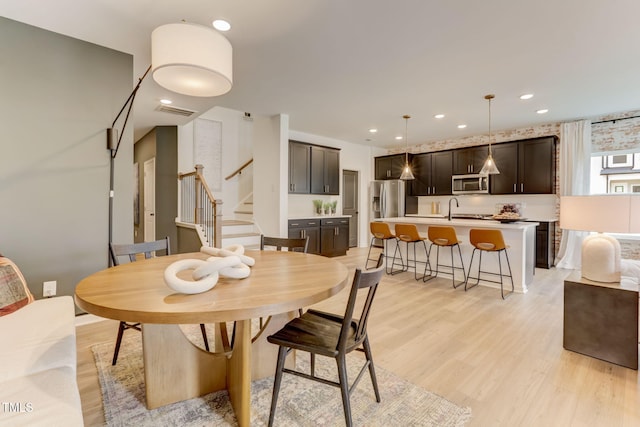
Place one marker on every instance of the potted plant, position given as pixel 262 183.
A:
pixel 327 208
pixel 317 204
pixel 334 205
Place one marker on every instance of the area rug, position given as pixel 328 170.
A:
pixel 301 402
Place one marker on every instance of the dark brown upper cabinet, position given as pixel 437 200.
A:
pixel 313 169
pixel 432 172
pixel 299 168
pixel 469 160
pixel 390 167
pixel 526 167
pixel 325 170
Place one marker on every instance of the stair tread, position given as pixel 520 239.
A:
pixel 243 212
pixel 232 235
pixel 231 222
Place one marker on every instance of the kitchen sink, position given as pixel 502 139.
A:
pixel 469 216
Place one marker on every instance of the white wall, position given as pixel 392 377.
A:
pixel 270 174
pixel 237 148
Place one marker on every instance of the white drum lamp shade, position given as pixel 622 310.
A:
pixel 191 59
pixel 603 214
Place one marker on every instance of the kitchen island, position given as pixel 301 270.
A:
pixel 519 237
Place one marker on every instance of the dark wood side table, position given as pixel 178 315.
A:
pixel 601 319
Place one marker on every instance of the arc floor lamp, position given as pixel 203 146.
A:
pixel 186 58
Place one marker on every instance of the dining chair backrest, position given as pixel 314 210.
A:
pixel 369 279
pixel 294 245
pixel 487 239
pixel 381 230
pixel 132 250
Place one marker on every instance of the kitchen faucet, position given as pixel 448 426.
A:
pixel 457 205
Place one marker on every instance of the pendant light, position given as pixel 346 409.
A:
pixel 406 170
pixel 489 167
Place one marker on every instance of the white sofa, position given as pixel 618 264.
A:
pixel 38 385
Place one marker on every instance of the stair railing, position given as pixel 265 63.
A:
pixel 239 170
pixel 198 206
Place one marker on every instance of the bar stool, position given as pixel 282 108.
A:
pixel 408 233
pixel 488 240
pixel 444 237
pixel 381 231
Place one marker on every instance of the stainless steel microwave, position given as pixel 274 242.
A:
pixel 470 184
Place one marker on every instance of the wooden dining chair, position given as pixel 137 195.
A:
pixel 331 335
pixel 295 245
pixel 133 251
pixel 292 244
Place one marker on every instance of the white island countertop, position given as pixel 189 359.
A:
pixel 519 236
pixel 459 222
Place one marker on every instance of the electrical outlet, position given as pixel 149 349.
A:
pixel 49 288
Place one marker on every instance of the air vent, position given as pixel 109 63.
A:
pixel 175 110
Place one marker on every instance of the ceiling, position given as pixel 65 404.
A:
pixel 339 68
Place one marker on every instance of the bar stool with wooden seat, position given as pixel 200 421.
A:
pixel 488 240
pixel 444 237
pixel 408 233
pixel 381 231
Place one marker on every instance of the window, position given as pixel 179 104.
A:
pixel 618 160
pixel 615 172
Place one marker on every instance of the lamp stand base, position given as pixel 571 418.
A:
pixel 601 258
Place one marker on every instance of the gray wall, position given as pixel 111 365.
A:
pixel 161 143
pixel 58 95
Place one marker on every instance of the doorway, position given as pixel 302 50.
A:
pixel 149 197
pixel 350 205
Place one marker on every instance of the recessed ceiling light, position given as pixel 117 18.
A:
pixel 462 126
pixel 398 138
pixel 221 25
pixel 526 96
pixel 542 111
pixel 373 130
pixel 439 116
pixel 166 101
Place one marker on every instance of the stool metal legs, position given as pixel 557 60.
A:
pixel 426 277
pixel 389 270
pixel 489 272
pixel 405 267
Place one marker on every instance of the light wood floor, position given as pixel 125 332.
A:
pixel 504 359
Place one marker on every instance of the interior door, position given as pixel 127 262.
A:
pixel 149 197
pixel 350 204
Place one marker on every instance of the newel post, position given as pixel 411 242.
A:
pixel 217 223
pixel 199 208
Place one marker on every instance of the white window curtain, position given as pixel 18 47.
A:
pixel 575 165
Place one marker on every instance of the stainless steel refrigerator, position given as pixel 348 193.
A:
pixel 387 198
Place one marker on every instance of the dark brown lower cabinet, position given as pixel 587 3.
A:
pixel 299 229
pixel 327 236
pixel 334 236
pixel 545 244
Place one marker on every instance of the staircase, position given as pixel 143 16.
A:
pixel 200 208
pixel 244 210
pixel 242 230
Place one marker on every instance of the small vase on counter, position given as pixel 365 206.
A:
pixel 318 207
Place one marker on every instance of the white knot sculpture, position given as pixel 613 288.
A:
pixel 228 262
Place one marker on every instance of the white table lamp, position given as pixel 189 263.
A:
pixel 602 214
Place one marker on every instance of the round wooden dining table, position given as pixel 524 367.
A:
pixel 175 369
